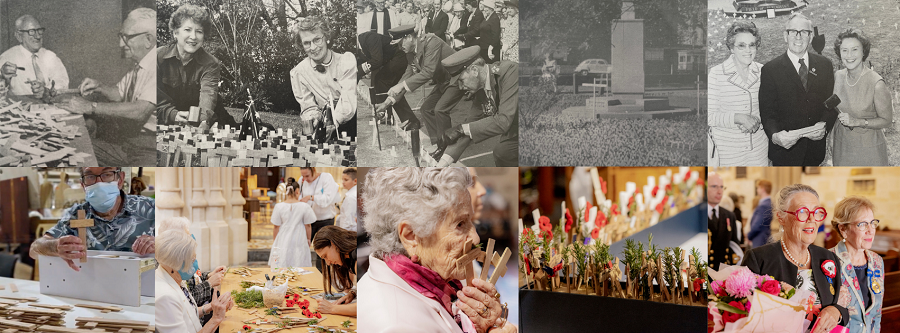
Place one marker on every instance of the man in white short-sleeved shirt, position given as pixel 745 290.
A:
pixel 132 102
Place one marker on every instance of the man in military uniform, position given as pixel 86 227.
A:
pixel 425 66
pixel 495 111
pixel 387 63
pixel 722 228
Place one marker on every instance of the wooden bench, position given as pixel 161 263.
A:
pixel 890 318
pixel 891 290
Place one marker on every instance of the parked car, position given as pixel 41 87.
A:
pixel 593 66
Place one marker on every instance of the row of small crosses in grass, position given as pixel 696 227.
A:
pixel 188 146
pixel 407 140
pixel 33 135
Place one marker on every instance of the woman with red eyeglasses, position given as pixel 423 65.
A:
pixel 792 258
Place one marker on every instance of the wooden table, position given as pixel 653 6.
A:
pixel 146 312
pixel 81 143
pixel 235 318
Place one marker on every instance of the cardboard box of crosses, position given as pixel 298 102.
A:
pixel 108 277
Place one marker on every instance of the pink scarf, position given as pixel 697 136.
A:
pixel 430 284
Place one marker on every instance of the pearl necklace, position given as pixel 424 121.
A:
pixel 794 261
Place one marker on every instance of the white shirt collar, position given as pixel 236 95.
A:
pixel 709 210
pixel 796 60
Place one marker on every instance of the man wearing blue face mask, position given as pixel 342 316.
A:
pixel 121 222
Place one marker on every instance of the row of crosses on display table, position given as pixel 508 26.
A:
pixel 190 146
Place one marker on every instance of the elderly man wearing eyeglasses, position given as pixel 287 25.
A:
pixel 29 67
pixel 723 228
pixel 121 222
pixel 125 132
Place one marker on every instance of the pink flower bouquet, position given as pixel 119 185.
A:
pixel 742 301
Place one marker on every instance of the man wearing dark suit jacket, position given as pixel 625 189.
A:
pixel 380 20
pixel 793 89
pixel 761 223
pixel 427 53
pixel 438 22
pixel 489 33
pixel 722 227
pixel 495 111
pixel 469 33
pixel 387 63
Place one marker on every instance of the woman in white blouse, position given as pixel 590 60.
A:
pixel 176 310
pixel 320 191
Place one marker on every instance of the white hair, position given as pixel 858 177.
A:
pixel 175 249
pixel 173 223
pixel 145 17
pixel 782 203
pixel 20 22
pixel 420 196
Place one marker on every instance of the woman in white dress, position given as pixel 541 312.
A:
pixel 293 221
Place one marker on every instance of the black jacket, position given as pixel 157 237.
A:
pixel 785 105
pixel 490 36
pixel 438 25
pixel 470 32
pixel 769 259
pixel 720 237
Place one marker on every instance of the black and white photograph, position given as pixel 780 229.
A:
pixel 77 83
pixel 613 83
pixel 438 82
pixel 803 83
pixel 256 84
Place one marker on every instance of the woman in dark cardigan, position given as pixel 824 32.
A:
pixel 794 260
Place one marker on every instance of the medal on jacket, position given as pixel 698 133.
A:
pixel 830 271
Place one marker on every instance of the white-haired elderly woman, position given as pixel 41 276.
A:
pixel 176 309
pixel 418 220
pixel 862 271
pixel 200 286
pixel 795 261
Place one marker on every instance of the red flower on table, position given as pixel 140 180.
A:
pixel 687 177
pixel 699 181
pixel 587 211
pixel 602 185
pixel 601 219
pixel 630 201
pixel 546 234
pixel 659 208
pixel 698 284
pixel 545 223
pixel 569 221
pixel 595 233
pixel 668 188
pixel 614 210
pixel 653 192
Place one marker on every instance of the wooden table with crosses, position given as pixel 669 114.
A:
pixel 179 145
pixel 43 135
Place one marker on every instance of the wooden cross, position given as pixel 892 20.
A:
pixel 664 292
pixel 487 264
pixel 500 267
pixel 82 224
pixel 465 261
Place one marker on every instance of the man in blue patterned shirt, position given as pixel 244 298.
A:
pixel 121 222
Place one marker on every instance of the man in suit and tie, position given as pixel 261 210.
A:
pixel 438 22
pixel 489 32
pixel 793 89
pixel 760 224
pixel 426 54
pixel 722 228
pixel 469 31
pixel 494 112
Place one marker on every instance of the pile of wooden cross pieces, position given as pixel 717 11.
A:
pixel 178 145
pixel 37 135
pixel 114 325
pixel 35 315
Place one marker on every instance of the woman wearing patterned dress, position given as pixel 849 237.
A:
pixel 865 109
pixel 509 35
pixel 734 121
pixel 862 271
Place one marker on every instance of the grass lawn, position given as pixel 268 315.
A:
pixel 876 18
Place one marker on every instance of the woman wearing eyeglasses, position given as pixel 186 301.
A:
pixel 734 122
pixel 862 271
pixel 188 75
pixel 793 259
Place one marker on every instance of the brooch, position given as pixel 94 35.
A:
pixel 813 72
pixel 830 271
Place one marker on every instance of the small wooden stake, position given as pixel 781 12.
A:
pixel 82 224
